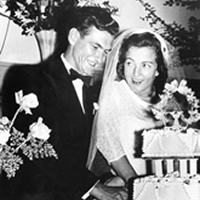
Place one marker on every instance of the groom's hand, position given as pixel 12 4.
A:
pixel 103 192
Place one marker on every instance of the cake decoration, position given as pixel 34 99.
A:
pixel 168 187
pixel 174 149
pixel 178 110
pixel 178 107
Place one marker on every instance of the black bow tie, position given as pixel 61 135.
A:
pixel 74 75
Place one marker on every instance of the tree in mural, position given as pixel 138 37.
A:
pixel 36 15
pixel 40 18
pixel 186 40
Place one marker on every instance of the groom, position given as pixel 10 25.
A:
pixel 85 37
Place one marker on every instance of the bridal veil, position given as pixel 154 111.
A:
pixel 172 62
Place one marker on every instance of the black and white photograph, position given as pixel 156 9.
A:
pixel 99 99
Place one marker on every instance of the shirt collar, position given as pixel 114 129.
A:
pixel 66 63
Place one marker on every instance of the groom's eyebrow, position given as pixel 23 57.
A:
pixel 106 51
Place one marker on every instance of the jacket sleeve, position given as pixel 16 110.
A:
pixel 68 172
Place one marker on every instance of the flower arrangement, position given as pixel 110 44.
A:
pixel 34 145
pixel 36 15
pixel 178 106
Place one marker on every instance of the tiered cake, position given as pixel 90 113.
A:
pixel 174 149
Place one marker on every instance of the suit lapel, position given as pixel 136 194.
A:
pixel 64 90
pixel 60 79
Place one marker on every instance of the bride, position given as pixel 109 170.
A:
pixel 135 74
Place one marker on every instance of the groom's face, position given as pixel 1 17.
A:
pixel 89 52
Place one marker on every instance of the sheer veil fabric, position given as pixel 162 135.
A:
pixel 172 61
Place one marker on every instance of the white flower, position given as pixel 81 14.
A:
pixel 26 102
pixel 18 14
pixel 4 120
pixel 27 21
pixel 12 140
pixel 28 2
pixel 182 88
pixel 30 30
pixel 82 3
pixel 21 6
pixel 40 130
pixel 171 87
pixel 4 136
pixel 174 86
pixel 95 107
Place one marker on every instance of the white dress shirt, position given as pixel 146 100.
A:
pixel 78 86
pixel 77 83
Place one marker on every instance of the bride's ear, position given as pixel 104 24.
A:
pixel 73 36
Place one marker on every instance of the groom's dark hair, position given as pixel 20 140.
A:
pixel 83 18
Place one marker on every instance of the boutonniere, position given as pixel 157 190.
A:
pixel 95 108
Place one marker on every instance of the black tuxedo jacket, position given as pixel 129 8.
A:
pixel 67 176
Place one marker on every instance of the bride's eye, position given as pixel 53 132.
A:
pixel 129 63
pixel 146 65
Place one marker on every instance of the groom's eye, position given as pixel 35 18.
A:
pixel 107 51
pixel 99 47
pixel 95 47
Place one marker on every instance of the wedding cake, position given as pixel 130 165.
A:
pixel 172 150
pixel 169 187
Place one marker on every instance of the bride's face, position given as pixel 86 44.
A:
pixel 140 70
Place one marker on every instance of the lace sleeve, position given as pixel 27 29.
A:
pixel 108 128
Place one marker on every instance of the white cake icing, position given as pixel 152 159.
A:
pixel 167 142
pixel 170 187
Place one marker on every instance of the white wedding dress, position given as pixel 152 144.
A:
pixel 122 116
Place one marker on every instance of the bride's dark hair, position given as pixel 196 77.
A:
pixel 145 39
